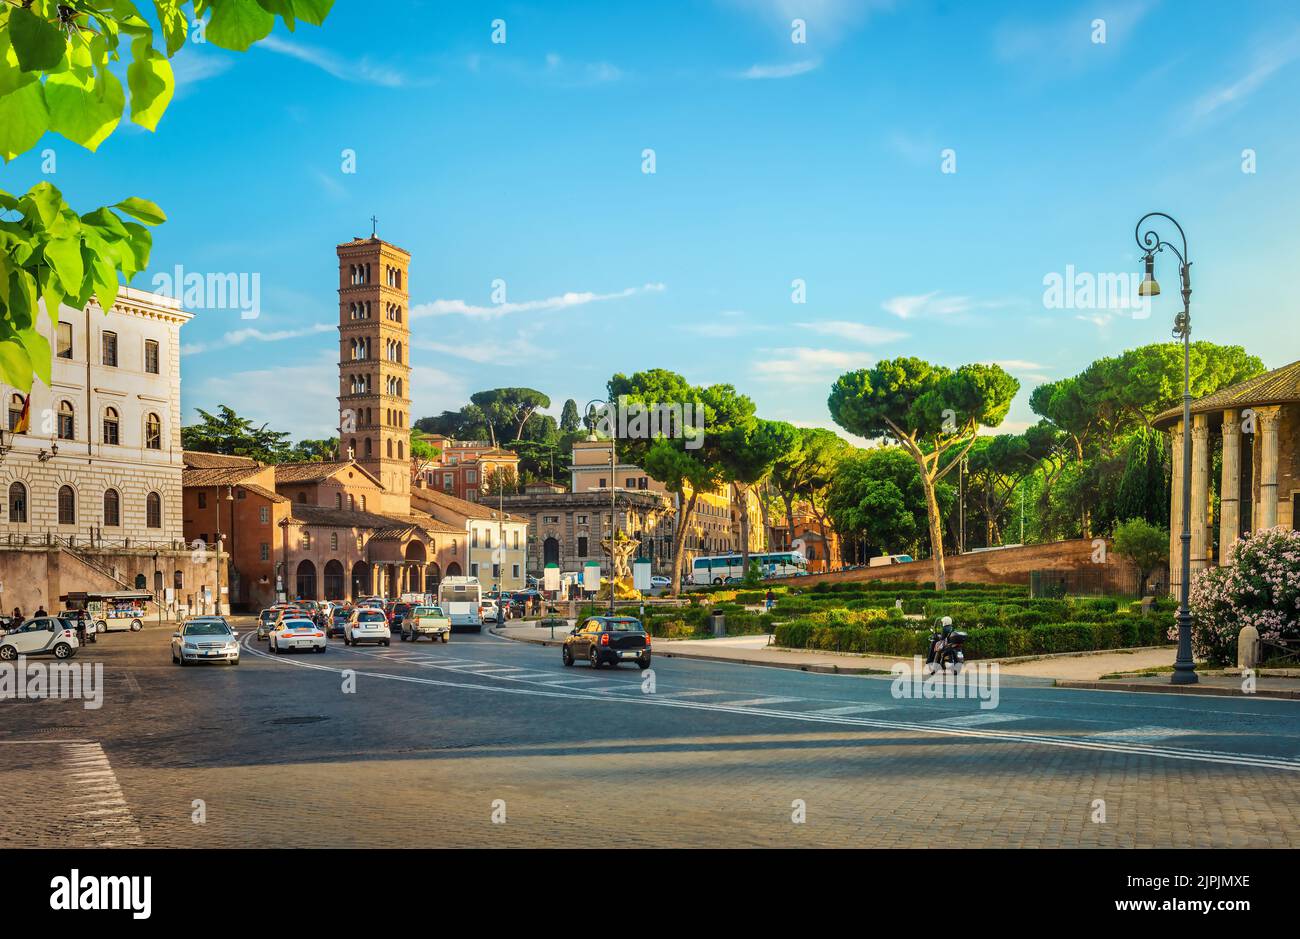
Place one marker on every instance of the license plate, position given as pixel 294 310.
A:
pixel 630 655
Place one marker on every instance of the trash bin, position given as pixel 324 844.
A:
pixel 718 621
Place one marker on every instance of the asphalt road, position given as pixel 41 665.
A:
pixel 484 742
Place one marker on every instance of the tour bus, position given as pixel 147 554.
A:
pixel 717 569
pixel 460 598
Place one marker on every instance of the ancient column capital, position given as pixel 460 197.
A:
pixel 1269 417
pixel 1231 423
pixel 1200 427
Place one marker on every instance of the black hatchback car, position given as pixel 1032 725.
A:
pixel 608 640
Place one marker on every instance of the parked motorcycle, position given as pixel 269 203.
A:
pixel 947 648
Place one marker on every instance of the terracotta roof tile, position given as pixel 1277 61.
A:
pixel 1280 386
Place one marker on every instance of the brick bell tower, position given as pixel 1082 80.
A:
pixel 374 364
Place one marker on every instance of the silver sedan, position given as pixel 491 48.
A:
pixel 205 640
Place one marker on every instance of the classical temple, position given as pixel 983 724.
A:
pixel 1255 425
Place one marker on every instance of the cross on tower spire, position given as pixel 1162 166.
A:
pixel 374 226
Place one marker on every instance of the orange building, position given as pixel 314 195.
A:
pixel 463 467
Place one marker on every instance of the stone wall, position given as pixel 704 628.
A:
pixel 1002 566
pixel 33 577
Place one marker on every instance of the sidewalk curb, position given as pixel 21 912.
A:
pixel 1159 688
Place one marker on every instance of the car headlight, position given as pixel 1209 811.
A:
pixel 190 645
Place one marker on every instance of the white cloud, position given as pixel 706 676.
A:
pixel 854 332
pixel 361 71
pixel 301 399
pixel 191 67
pixel 933 303
pixel 1066 43
pixel 434 391
pixel 828 20
pixel 784 70
pixel 485 350
pixel 238 337
pixel 562 302
pixel 1266 62
pixel 805 366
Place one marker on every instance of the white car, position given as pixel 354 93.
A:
pixel 659 580
pixel 367 624
pixel 489 612
pixel 205 639
pixel 44 635
pixel 297 633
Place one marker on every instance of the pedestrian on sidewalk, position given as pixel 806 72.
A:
pixel 769 599
pixel 40 611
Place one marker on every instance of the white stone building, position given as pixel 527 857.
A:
pixel 97 475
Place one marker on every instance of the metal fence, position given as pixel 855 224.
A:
pixel 1085 582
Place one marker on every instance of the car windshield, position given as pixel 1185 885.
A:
pixel 623 626
pixel 206 629
pixel 298 624
pixel 370 616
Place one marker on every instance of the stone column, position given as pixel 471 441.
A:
pixel 1200 489
pixel 1268 419
pixel 1176 510
pixel 1230 485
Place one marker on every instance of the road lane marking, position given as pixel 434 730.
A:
pixel 101 800
pixel 987 733
pixel 851 709
pixel 1142 734
pixel 760 702
pixel 697 693
pixel 978 719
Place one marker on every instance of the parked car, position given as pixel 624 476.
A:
pixel 428 621
pixel 297 633
pixel 659 580
pixel 608 640
pixel 44 635
pixel 205 639
pixel 367 624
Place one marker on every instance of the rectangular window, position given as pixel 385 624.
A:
pixel 496 571
pixel 264 551
pixel 65 340
pixel 514 571
pixel 582 519
pixel 151 356
pixel 471 478
pixel 582 546
pixel 110 348
pixel 334 541
pixel 203 500
pixel 264 514
pixel 448 481
pixel 473 569
pixel 514 537
pixel 602 483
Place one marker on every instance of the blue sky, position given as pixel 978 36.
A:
pixel 775 161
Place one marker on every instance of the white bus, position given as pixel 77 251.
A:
pixel 717 569
pixel 460 598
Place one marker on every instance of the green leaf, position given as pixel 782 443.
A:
pixel 152 84
pixel 38 43
pixel 141 243
pixel 104 278
pixel 23 119
pixel 38 351
pixel 22 299
pixel 175 24
pixel 11 75
pixel 42 201
pixel 237 24
pixel 64 255
pixel 312 11
pixel 16 365
pixel 83 109
pixel 143 209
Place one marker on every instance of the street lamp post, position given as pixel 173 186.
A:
pixel 613 505
pixel 1151 244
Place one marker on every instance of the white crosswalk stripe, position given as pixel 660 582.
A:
pixel 759 702
pixel 977 719
pixel 850 709
pixel 1140 734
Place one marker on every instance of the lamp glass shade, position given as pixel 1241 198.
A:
pixel 1149 287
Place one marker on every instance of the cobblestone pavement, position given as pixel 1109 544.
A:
pixel 485 742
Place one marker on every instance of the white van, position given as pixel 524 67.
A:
pixel 885 560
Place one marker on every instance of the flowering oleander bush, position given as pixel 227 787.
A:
pixel 1259 586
